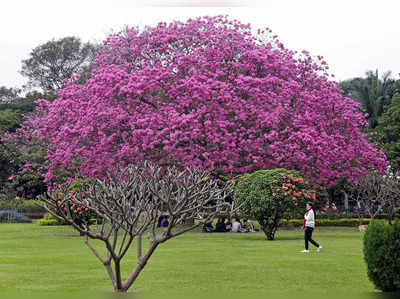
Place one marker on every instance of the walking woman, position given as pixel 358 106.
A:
pixel 308 227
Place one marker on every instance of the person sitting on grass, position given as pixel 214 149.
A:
pixel 237 227
pixel 248 225
pixel 207 227
pixel 228 225
pixel 220 227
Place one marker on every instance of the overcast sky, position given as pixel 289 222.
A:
pixel 354 36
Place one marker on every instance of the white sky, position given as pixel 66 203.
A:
pixel 354 35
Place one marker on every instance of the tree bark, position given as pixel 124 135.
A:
pixel 141 264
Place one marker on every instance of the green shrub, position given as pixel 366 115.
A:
pixel 382 255
pixel 49 219
pixel 45 222
pixel 271 195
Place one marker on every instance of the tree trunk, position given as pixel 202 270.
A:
pixel 269 229
pixel 141 264
pixel 346 201
pixel 270 234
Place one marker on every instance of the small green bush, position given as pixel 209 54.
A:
pixel 45 222
pixel 49 219
pixel 382 255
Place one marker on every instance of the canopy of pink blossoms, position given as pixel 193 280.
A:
pixel 207 93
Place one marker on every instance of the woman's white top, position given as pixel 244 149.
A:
pixel 309 218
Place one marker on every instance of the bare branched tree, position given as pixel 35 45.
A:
pixel 130 204
pixel 376 193
pixel 390 197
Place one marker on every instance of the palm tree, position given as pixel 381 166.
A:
pixel 371 92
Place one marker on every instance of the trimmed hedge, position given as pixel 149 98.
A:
pixel 50 220
pixel 349 222
pixel 341 215
pixel 382 255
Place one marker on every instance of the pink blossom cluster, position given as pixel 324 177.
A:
pixel 206 93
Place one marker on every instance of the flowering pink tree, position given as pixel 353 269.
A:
pixel 206 93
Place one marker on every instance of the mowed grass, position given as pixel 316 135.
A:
pixel 55 259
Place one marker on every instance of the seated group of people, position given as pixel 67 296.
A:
pixel 228 226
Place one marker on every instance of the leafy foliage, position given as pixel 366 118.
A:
pixel 271 195
pixel 9 120
pixel 382 255
pixel 388 132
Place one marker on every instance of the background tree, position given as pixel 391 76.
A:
pixel 372 92
pixel 56 61
pixel 209 94
pixel 376 193
pixel 388 132
pixel 130 203
pixel 7 95
pixel 272 195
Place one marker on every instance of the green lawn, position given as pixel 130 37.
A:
pixel 55 259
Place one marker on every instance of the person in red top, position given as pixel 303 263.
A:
pixel 308 227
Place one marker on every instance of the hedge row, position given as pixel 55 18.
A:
pixel 341 215
pixel 50 220
pixel 326 222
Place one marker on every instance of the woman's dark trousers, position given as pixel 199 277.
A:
pixel 308 237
